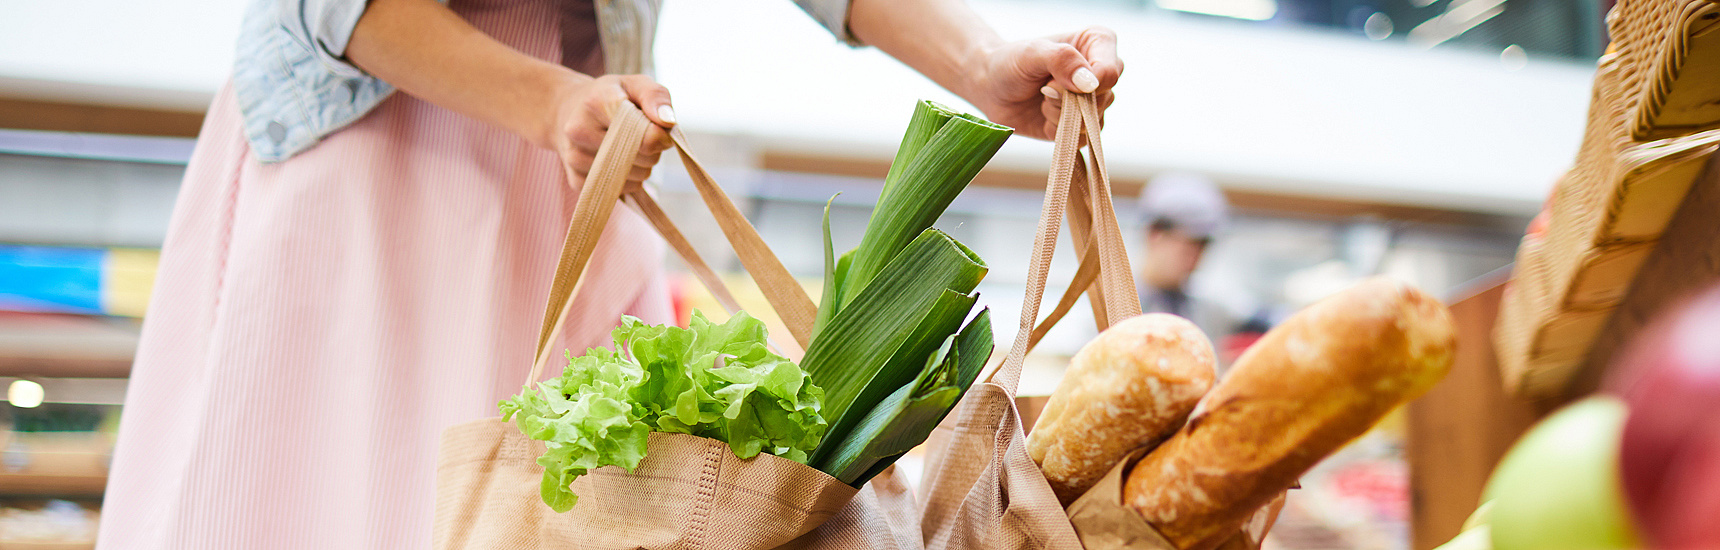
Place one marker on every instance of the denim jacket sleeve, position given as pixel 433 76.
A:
pixel 833 15
pixel 294 85
pixel 291 78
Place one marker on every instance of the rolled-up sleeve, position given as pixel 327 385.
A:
pixel 325 26
pixel 833 14
pixel 291 77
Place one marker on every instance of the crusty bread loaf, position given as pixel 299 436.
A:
pixel 1319 380
pixel 1132 386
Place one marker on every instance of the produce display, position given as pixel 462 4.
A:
pixel 1559 487
pixel 1131 387
pixel 1309 386
pixel 895 346
pixel 1636 466
pixel 1670 452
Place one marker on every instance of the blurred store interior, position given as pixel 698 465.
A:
pixel 1414 138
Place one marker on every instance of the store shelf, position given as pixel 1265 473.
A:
pixel 51 485
pixel 66 346
pixel 47 525
pixel 54 464
pixel 47 545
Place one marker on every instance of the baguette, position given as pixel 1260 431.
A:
pixel 1132 386
pixel 1311 385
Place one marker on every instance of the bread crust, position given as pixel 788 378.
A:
pixel 1319 380
pixel 1132 386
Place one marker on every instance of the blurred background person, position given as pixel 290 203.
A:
pixel 1181 213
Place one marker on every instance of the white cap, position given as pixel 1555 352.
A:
pixel 1188 201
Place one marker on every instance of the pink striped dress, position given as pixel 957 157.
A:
pixel 318 322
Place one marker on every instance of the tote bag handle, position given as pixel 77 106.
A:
pixel 1079 188
pixel 603 189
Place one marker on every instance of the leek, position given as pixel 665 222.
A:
pixel 848 358
pixel 905 418
pixel 889 346
pixel 930 169
pixel 833 271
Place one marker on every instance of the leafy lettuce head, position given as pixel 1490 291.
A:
pixel 712 380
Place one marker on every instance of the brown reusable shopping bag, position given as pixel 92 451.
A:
pixel 689 492
pixel 981 490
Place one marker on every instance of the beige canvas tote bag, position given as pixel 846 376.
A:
pixel 980 489
pixel 689 492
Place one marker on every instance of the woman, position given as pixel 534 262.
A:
pixel 349 270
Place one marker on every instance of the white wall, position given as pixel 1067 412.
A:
pixel 153 53
pixel 1263 108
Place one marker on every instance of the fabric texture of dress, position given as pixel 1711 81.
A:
pixel 318 322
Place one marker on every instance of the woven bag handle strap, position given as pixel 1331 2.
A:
pixel 1080 231
pixel 603 188
pixel 1104 259
pixel 784 293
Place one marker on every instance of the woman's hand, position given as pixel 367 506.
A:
pixel 1018 83
pixel 422 47
pixel 583 117
pixel 949 43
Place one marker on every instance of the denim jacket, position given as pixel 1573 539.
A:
pixel 294 85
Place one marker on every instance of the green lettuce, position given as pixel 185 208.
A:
pixel 718 381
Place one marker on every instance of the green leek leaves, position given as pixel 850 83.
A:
pixel 889 348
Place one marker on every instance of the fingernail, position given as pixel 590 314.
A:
pixel 1050 92
pixel 667 113
pixel 1085 81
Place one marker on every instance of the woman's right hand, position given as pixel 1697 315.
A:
pixel 583 117
pixel 425 49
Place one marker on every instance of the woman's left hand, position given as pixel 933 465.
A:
pixel 1011 78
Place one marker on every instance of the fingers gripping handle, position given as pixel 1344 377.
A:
pixel 597 198
pixel 1122 301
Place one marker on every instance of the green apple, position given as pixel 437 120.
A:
pixel 1480 517
pixel 1559 488
pixel 1470 539
pixel 1475 534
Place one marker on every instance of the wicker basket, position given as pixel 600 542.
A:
pixel 1649 136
